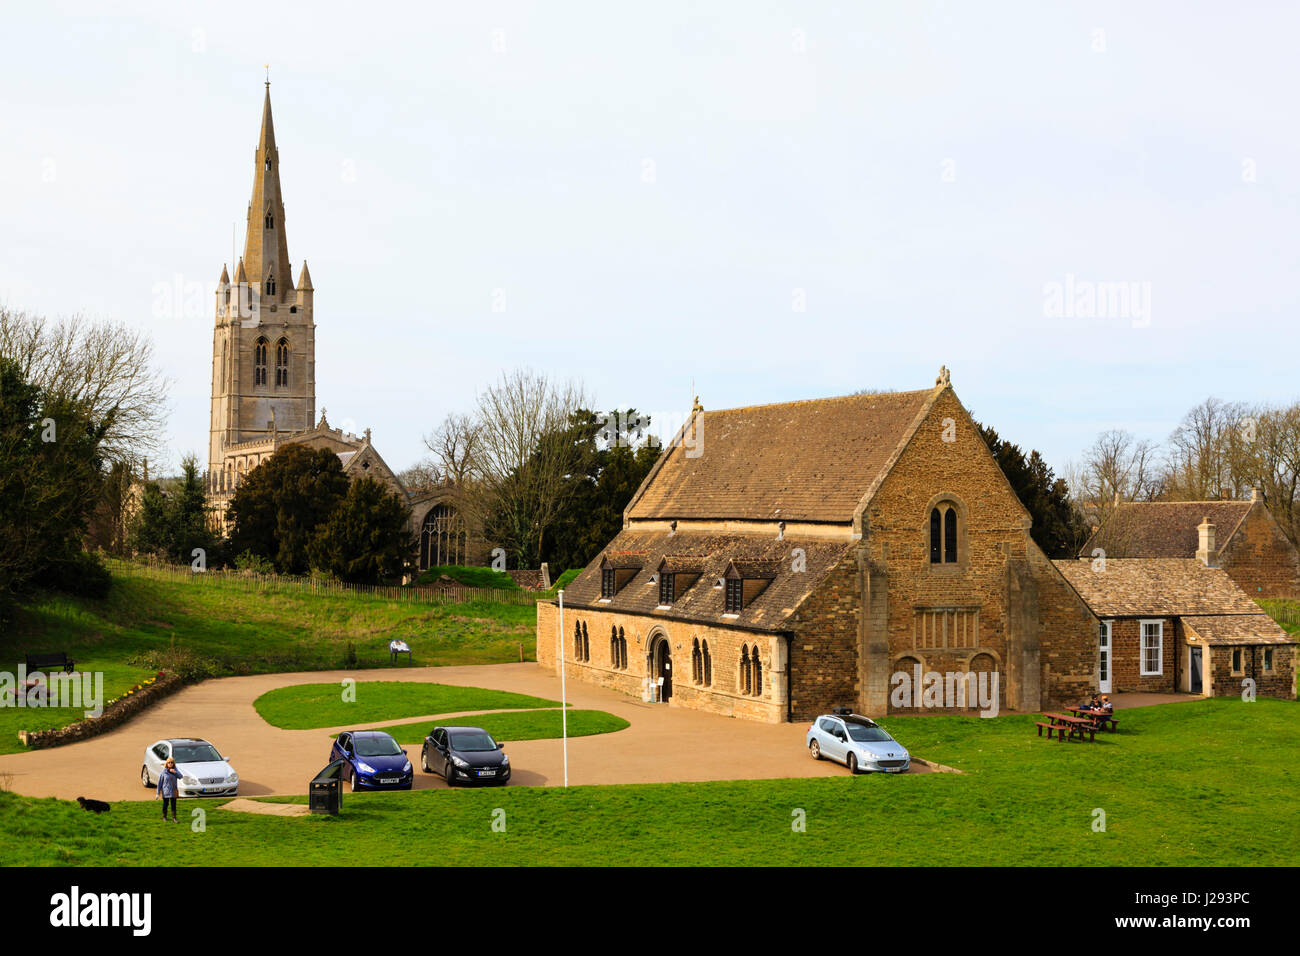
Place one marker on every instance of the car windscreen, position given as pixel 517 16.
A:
pixel 867 735
pixel 196 753
pixel 376 746
pixel 472 743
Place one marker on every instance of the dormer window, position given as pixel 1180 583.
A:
pixel 675 578
pixel 735 596
pixel 744 581
pixel 615 573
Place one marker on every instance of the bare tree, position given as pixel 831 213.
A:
pixel 1264 453
pixel 105 370
pixel 452 444
pixel 519 460
pixel 1199 457
pixel 1117 468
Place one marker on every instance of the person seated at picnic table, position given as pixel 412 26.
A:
pixel 1105 709
pixel 1093 704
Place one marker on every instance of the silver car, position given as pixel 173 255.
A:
pixel 204 772
pixel 858 743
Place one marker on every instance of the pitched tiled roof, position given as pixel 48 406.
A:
pixel 1164 529
pixel 1163 587
pixel 711 554
pixel 797 461
pixel 1238 629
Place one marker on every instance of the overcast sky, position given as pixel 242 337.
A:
pixel 772 201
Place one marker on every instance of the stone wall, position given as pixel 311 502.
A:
pixel 722 696
pixel 1126 669
pixel 114 715
pixel 1260 558
pixel 1227 682
pixel 1002 600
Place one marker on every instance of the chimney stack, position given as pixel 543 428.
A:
pixel 1205 553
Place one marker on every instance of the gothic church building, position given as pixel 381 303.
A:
pixel 264 372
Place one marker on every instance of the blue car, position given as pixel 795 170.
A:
pixel 375 759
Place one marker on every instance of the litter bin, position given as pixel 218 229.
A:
pixel 325 792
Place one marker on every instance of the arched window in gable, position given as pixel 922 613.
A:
pixel 708 665
pixel 946 531
pixel 746 681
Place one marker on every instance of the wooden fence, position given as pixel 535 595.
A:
pixel 250 581
pixel 1282 610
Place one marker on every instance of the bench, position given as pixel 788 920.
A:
pixel 398 647
pixel 43 662
pixel 1052 728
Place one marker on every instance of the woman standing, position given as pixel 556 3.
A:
pixel 169 787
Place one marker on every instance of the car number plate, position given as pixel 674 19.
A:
pixel 487 773
pixel 389 779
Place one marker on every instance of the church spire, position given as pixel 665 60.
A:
pixel 266 247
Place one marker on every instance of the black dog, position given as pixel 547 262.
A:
pixel 94 806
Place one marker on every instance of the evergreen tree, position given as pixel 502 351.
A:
pixel 281 504
pixel 367 539
pixel 1057 527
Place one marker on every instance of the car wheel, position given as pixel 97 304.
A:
pixel 853 763
pixel 815 749
pixel 424 761
pixel 353 782
pixel 449 774
pixel 144 775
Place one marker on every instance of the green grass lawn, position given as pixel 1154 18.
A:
pixel 520 725
pixel 217 628
pixel 306 706
pixel 1204 783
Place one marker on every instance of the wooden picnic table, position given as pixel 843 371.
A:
pixel 1098 717
pixel 1078 725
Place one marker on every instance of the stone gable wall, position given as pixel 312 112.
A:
pixel 1260 558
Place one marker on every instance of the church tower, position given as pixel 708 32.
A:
pixel 264 340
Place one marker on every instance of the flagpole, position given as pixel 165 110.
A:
pixel 564 700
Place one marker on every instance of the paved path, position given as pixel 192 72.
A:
pixel 663 743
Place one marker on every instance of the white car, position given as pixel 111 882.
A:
pixel 858 743
pixel 204 772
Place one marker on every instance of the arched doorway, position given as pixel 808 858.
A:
pixel 661 666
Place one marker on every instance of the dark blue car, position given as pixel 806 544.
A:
pixel 375 759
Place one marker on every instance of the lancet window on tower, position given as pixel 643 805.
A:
pixel 259 362
pixel 282 364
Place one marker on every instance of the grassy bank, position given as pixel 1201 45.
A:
pixel 215 628
pixel 1203 783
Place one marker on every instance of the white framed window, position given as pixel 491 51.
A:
pixel 1152 649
